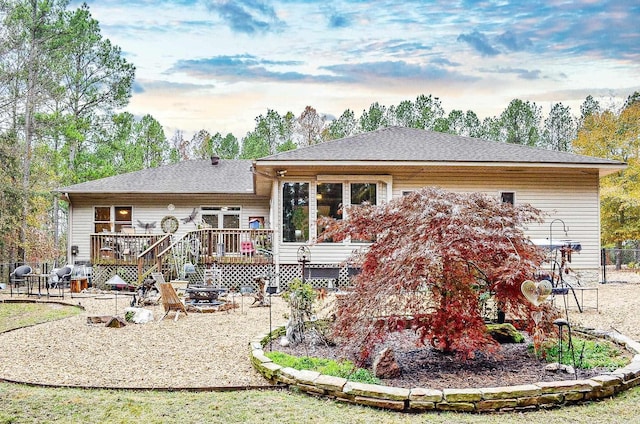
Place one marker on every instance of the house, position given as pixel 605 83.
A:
pixel 248 218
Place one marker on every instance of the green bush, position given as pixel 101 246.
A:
pixel 343 368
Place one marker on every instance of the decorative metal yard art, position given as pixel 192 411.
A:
pixel 304 257
pixel 191 218
pixel 564 323
pixel 536 293
pixel 147 226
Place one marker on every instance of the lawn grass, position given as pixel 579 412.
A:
pixel 16 315
pixel 22 404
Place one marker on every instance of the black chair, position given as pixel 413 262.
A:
pixel 18 278
pixel 64 277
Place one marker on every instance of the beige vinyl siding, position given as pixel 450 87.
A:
pixel 153 210
pixel 569 196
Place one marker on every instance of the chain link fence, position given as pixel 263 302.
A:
pixel 616 263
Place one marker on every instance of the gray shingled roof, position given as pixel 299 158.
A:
pixel 398 144
pixel 193 176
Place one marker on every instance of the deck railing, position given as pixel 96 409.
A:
pixel 204 246
pixel 120 248
pixel 209 245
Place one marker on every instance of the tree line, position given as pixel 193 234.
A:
pixel 63 87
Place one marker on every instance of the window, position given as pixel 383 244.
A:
pixel 295 212
pixel 363 192
pixel 112 218
pixel 508 197
pixel 360 193
pixel 221 217
pixel 329 201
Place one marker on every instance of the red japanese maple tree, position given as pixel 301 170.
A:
pixel 435 254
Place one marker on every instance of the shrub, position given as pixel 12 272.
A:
pixel 435 258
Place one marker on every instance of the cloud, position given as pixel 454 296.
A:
pixel 479 42
pixel 513 41
pixel 247 16
pixel 137 88
pixel 444 62
pixel 248 68
pixel 395 47
pixel 338 20
pixel 244 68
pixel 521 73
pixel 147 86
pixel 397 70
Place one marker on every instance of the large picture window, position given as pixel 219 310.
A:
pixel 295 212
pixel 112 218
pixel 329 201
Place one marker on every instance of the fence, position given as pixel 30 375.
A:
pixel 625 263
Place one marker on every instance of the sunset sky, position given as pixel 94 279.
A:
pixel 216 65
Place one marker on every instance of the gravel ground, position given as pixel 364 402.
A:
pixel 618 306
pixel 198 350
pixel 202 349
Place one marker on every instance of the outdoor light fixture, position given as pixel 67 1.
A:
pixel 281 172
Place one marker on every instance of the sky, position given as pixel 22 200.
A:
pixel 218 64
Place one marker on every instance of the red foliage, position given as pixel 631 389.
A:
pixel 435 254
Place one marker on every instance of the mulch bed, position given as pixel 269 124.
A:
pixel 423 366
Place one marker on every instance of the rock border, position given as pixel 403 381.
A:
pixel 483 399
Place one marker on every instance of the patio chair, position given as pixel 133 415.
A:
pixel 64 277
pixel 18 278
pixel 171 301
pixel 246 248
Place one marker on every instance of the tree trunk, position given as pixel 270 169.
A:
pixel 618 254
pixel 28 130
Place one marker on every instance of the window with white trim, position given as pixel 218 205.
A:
pixel 295 212
pixel 329 201
pixel 111 218
pixel 220 217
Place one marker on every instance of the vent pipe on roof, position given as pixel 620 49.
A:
pixel 215 160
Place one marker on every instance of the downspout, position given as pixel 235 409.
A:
pixel 275 223
pixel 69 226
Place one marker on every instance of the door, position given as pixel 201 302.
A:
pixel 224 218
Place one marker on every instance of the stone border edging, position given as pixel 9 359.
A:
pixel 485 399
